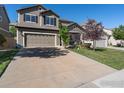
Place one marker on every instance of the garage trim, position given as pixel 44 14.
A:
pixel 25 32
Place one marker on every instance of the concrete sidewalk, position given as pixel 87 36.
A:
pixel 114 80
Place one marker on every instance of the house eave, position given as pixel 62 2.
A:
pixel 49 11
pixel 38 28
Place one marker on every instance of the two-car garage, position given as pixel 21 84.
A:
pixel 40 40
pixel 32 38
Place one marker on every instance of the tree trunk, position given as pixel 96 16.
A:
pixel 94 45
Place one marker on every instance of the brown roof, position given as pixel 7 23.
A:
pixel 69 26
pixel 49 11
pixel 65 21
pixel 31 7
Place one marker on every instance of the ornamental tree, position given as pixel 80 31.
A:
pixel 93 30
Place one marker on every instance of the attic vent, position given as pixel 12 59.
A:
pixel 41 9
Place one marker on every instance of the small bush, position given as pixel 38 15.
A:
pixel 118 45
pixel 2 39
pixel 87 45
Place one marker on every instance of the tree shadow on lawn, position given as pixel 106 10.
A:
pixel 42 52
pixel 7 55
pixel 98 49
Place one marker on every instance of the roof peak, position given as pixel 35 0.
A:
pixel 31 6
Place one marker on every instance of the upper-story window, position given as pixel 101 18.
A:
pixel 0 18
pixel 48 20
pixel 30 18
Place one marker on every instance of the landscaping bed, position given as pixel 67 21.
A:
pixel 5 58
pixel 110 57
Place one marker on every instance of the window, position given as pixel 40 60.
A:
pixel 0 18
pixel 52 21
pixel 30 18
pixel 33 18
pixel 49 21
pixel 27 17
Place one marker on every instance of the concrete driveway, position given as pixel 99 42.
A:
pixel 51 67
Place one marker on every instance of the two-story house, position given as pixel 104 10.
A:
pixel 39 27
pixel 4 29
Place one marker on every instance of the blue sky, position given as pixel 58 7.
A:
pixel 111 16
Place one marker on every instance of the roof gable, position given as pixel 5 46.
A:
pixel 31 8
pixel 75 27
pixel 49 12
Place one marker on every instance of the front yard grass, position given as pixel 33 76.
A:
pixel 5 59
pixel 110 57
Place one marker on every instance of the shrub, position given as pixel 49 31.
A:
pixel 2 39
pixel 118 45
pixel 87 45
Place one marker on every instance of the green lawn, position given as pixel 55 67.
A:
pixel 110 57
pixel 5 59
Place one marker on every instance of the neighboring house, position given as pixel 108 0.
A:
pixel 101 43
pixel 76 32
pixel 111 40
pixel 4 29
pixel 39 27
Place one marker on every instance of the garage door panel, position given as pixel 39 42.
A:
pixel 40 40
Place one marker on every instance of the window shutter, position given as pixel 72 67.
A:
pixel 44 20
pixel 24 17
pixel 36 19
pixel 54 21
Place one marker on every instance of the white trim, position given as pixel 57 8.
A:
pixel 40 20
pixel 74 31
pixel 50 25
pixel 24 32
pixel 55 40
pixel 29 22
pixel 18 18
pixel 31 14
pixel 81 36
pixel 38 33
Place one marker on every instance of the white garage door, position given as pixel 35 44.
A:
pixel 40 40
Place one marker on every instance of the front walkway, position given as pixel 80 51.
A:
pixel 52 68
pixel 117 48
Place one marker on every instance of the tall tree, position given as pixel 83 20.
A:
pixel 118 33
pixel 12 29
pixel 64 34
pixel 94 31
